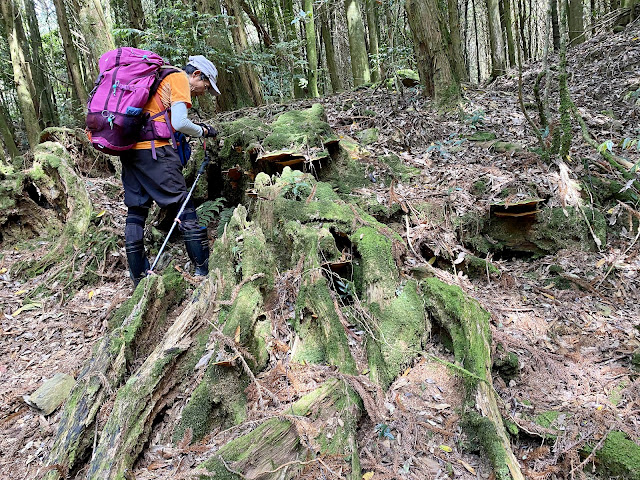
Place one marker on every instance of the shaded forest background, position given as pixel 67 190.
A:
pixel 273 50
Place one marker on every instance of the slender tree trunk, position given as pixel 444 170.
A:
pixel 523 37
pixel 357 45
pixel 477 38
pixel 576 24
pixel 455 43
pixel 495 38
pixel 298 91
pixel 554 25
pixel 332 66
pixel 372 24
pixel 96 28
pixel 434 67
pixel 234 94
pixel 247 74
pixel 508 26
pixel 136 18
pixel 271 8
pixel 20 71
pixel 6 132
pixel 312 52
pixel 263 33
pixel 44 92
pixel 71 54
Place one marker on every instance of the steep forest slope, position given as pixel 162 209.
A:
pixel 408 201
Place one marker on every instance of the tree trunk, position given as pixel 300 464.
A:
pixel 234 94
pixel 436 73
pixel 271 10
pixel 290 30
pixel 96 28
pixel 357 45
pixel 495 39
pixel 554 25
pixel 47 112
pixel 263 33
pixel 576 23
pixel 248 75
pixel 455 43
pixel 476 31
pixel 6 133
pixel 21 71
pixel 509 25
pixel 136 18
pixel 372 29
pixel 332 66
pixel 71 55
pixel 312 52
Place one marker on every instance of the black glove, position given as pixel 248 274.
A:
pixel 208 131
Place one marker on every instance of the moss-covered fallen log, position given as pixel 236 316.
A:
pixel 133 324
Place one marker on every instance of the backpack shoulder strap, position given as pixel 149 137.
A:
pixel 162 73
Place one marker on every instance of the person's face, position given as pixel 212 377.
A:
pixel 197 84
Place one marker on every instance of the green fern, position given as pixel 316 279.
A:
pixel 225 216
pixel 209 210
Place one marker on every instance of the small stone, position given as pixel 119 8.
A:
pixel 51 394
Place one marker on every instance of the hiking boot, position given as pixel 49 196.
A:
pixel 197 245
pixel 137 260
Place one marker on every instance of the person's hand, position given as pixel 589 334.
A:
pixel 208 130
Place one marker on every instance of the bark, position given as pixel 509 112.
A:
pixel 234 93
pixel 495 38
pixel 357 44
pixel 509 26
pixel 248 76
pixel 372 29
pixel 79 90
pixel 312 52
pixel 555 25
pixel 271 10
pixel 332 65
pixel 136 18
pixel 290 29
pixel 132 324
pixel 477 40
pixel 576 23
pixel 21 70
pixel 262 32
pixel 455 41
pixel 6 133
pixel 434 67
pixel 44 92
pixel 96 27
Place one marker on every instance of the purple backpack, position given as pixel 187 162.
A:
pixel 128 78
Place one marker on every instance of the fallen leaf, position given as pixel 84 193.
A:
pixel 20 292
pixel 600 262
pixel 468 467
pixel 367 476
pixel 236 336
pixel 91 294
pixel 3 270
pixel 101 214
pixel 446 448
pixel 406 372
pixel 26 308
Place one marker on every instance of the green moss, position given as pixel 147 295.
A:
pixel 299 127
pixel 486 437
pixel 476 267
pixel 399 169
pixel 620 456
pixel 480 136
pixel 616 393
pixel 466 322
pixel 546 419
pixel 479 188
pixel 368 136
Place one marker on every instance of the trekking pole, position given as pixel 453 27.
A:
pixel 201 170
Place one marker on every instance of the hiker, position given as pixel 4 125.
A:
pixel 152 168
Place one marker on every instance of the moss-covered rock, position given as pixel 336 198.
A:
pixel 620 457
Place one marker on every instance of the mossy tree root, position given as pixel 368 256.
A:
pixel 106 369
pixel 64 191
pixel 468 326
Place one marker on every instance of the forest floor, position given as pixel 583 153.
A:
pixel 574 344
